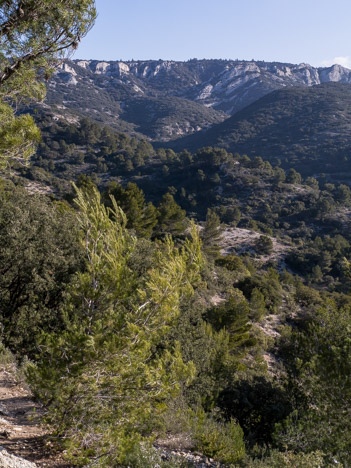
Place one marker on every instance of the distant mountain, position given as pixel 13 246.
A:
pixel 127 105
pixel 165 100
pixel 306 128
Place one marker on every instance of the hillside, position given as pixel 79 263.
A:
pixel 126 105
pixel 249 193
pixel 164 100
pixel 304 128
pixel 163 309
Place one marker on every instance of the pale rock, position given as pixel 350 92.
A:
pixel 83 63
pixel 66 68
pixel 102 68
pixel 10 461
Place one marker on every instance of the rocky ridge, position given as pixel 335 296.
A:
pixel 223 85
pixel 165 100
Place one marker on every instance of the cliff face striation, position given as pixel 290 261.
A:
pixel 223 85
pixel 166 100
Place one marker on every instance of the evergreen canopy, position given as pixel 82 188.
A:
pixel 33 35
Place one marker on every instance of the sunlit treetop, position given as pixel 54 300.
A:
pixel 33 35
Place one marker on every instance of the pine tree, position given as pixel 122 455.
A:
pixel 171 217
pixel 104 375
pixel 33 35
pixel 211 234
pixel 141 216
pixel 257 305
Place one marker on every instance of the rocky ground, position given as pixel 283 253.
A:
pixel 238 241
pixel 23 441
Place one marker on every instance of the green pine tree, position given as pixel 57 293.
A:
pixel 104 376
pixel 141 216
pixel 171 217
pixel 33 35
pixel 211 234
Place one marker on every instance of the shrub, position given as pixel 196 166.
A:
pixel 219 440
pixel 289 460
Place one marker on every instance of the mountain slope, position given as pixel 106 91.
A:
pixel 307 128
pixel 164 100
pixel 126 106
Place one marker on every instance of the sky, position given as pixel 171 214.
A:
pixel 317 32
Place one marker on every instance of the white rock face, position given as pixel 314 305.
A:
pixel 336 73
pixel 102 68
pixel 137 89
pixel 66 68
pixel 122 68
pixel 72 81
pixel 206 92
pixel 10 461
pixel 83 63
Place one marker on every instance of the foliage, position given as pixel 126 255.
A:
pixel 141 217
pixel 257 305
pixel 104 375
pixel 143 456
pixel 321 371
pixel 216 340
pixel 219 440
pixel 264 245
pixel 258 403
pixel 32 34
pixel 211 234
pixel 18 136
pixel 39 253
pixel 171 218
pixel 268 284
pixel 278 459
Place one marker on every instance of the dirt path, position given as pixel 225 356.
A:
pixel 20 431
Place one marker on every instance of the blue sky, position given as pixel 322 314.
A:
pixel 312 31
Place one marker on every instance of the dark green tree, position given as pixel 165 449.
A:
pixel 39 253
pixel 141 216
pixel 211 234
pixel 320 371
pixel 293 177
pixel 171 217
pixel 264 245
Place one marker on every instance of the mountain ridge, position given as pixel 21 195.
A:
pixel 200 93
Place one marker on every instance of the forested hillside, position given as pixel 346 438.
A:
pixel 169 309
pixel 272 268
pixel 304 128
pixel 297 115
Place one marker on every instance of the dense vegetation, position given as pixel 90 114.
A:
pixel 214 339
pixel 139 316
pixel 110 285
pixel 305 128
pixel 309 217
